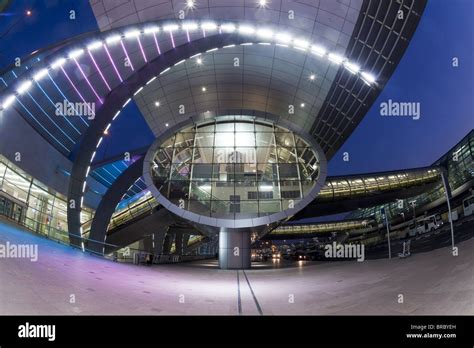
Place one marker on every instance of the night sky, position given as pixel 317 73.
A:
pixel 424 75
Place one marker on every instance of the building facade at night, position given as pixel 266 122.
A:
pixel 246 104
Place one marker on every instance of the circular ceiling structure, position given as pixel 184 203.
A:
pixel 234 171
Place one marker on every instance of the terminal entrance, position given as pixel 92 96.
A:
pixel 11 209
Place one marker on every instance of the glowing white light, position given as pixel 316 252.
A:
pixel 138 91
pixel 116 115
pixel 204 89
pixel 262 3
pixel 283 37
pixel 180 62
pixel 166 124
pixel 228 46
pixel 113 38
pixel 108 127
pixel 265 33
pixel 196 55
pixel 151 30
pixel 171 27
pixel 199 61
pixel 209 26
pixel 212 50
pixel 40 74
pixel 301 43
pixel 190 26
pixel 245 29
pixel 132 33
pixel 320 51
pixel 151 80
pixel 58 63
pixel 190 3
pixel 303 105
pixel 353 68
pixel 157 103
pixel 24 87
pixel 76 53
pixel 368 77
pixel 8 101
pixel 167 69
pixel 335 58
pixel 312 76
pixel 95 45
pixel 266 187
pixel 228 27
pixel 125 104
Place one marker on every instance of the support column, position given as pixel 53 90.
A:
pixel 178 243
pixel 234 249
pixel 168 243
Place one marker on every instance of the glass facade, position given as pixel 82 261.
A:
pixel 235 169
pixel 459 162
pixel 30 203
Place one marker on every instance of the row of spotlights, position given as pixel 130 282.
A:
pixel 191 4
pixel 244 29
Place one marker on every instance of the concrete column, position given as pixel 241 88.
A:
pixel 178 243
pixel 234 249
pixel 159 240
pixel 168 243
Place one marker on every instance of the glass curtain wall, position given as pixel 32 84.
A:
pixel 30 203
pixel 235 169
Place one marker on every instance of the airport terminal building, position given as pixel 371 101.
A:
pixel 247 106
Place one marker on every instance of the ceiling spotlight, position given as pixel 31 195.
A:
pixel 190 3
pixel 94 45
pixel 228 27
pixel 368 77
pixel 76 53
pixel 28 13
pixel 166 124
pixel 157 103
pixel 199 61
pixel 209 26
pixel 204 89
pixel 262 3
pixel 303 105
pixel 40 74
pixel 24 87
pixel 312 77
pixel 58 63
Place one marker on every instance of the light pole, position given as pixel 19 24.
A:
pixel 384 215
pixel 412 203
pixel 447 191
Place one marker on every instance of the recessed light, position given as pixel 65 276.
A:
pixel 190 3
pixel 157 103
pixel 166 124
pixel 199 61
pixel 204 89
pixel 303 105
pixel 312 76
pixel 262 3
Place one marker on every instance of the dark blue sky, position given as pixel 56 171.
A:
pixel 424 75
